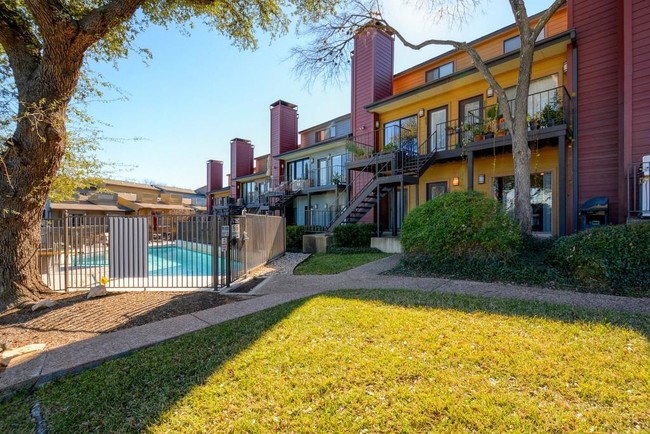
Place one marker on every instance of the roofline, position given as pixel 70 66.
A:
pixel 326 123
pixel 252 175
pixel 474 42
pixel 323 143
pixel 566 35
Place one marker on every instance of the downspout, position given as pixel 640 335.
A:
pixel 574 114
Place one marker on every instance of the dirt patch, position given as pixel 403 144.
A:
pixel 75 318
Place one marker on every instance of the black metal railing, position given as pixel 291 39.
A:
pixel 638 190
pixel 547 108
pixel 156 251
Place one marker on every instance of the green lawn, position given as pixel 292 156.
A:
pixel 372 361
pixel 333 263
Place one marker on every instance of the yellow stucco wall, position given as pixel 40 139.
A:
pixel 542 160
pixel 468 88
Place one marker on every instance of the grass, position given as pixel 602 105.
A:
pixel 332 263
pixel 373 361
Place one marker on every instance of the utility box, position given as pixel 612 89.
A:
pixel 644 187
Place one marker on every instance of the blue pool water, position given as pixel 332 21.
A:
pixel 162 261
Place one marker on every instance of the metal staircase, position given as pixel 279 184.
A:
pixel 381 173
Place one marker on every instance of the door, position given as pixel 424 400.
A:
pixel 323 172
pixel 437 129
pixel 470 113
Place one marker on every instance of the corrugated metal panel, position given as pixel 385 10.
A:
pixel 127 248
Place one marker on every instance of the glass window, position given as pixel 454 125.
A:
pixel 512 44
pixel 338 168
pixel 435 189
pixel 541 198
pixel 323 172
pixel 438 129
pixel 541 91
pixel 402 134
pixel 298 169
pixel 439 72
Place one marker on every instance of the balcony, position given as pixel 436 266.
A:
pixel 548 115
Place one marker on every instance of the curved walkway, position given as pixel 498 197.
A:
pixel 273 291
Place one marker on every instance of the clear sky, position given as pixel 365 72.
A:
pixel 198 92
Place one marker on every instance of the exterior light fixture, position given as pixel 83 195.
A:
pixel 421 113
pixel 455 181
pixel 490 92
pixel 565 67
pixel 376 124
pixel 481 178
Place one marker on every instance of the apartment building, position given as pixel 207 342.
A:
pixel 436 127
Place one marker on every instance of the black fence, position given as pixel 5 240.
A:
pixel 169 251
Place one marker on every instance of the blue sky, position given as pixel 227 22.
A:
pixel 198 92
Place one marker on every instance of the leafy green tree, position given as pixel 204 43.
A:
pixel 46 43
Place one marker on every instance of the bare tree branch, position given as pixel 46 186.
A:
pixel 546 16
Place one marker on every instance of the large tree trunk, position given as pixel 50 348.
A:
pixel 31 160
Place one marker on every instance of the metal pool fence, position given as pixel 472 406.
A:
pixel 166 251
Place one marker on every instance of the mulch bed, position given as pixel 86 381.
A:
pixel 75 318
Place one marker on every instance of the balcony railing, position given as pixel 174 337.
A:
pixel 545 109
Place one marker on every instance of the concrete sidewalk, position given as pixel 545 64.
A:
pixel 44 367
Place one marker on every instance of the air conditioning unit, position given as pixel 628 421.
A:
pixel 644 187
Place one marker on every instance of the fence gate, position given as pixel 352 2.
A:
pixel 157 251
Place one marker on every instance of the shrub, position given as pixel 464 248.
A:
pixel 464 225
pixel 294 238
pixel 356 235
pixel 611 258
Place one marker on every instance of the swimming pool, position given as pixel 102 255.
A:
pixel 167 260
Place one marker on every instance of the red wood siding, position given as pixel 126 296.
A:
pixel 640 79
pixel 372 76
pixel 215 175
pixel 284 133
pixel 598 40
pixel 241 161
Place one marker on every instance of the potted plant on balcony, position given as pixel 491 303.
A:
pixel 478 130
pixel 533 121
pixel 358 151
pixel 501 126
pixel 491 121
pixel 552 113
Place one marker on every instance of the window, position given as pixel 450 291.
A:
pixel 338 168
pixel 439 72
pixel 320 136
pixel 435 189
pixel 514 43
pixel 332 131
pixel 402 134
pixel 541 198
pixel 541 91
pixel 298 169
pixel 248 192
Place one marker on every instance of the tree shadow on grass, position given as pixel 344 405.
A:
pixel 131 394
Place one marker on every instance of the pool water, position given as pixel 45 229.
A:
pixel 162 260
